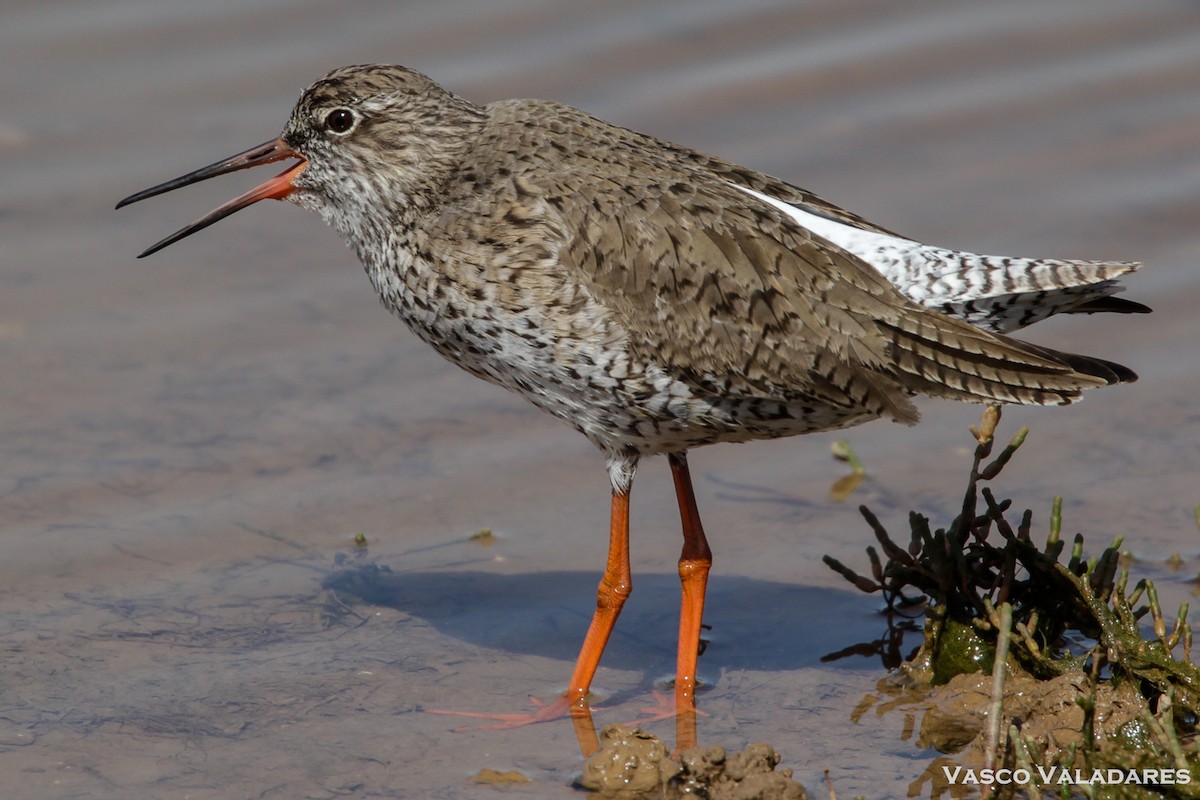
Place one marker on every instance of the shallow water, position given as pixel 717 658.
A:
pixel 191 439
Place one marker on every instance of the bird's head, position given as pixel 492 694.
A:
pixel 368 142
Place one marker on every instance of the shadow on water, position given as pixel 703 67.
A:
pixel 751 624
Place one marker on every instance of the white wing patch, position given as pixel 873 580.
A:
pixel 927 275
pixel 863 244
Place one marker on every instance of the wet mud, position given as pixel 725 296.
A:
pixel 632 764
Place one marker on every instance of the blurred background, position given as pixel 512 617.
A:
pixel 190 441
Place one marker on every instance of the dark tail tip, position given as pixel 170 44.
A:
pixel 1108 371
pixel 1111 305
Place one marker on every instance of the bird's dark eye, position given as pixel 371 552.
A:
pixel 339 120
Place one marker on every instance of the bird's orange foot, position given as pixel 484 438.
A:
pixel 543 712
pixel 577 709
pixel 666 706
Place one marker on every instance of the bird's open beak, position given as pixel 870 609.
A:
pixel 277 188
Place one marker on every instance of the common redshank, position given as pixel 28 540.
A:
pixel 653 297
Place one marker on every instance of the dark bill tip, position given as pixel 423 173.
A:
pixel 265 153
pixel 277 188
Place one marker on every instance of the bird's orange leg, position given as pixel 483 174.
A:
pixel 614 588
pixel 694 564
